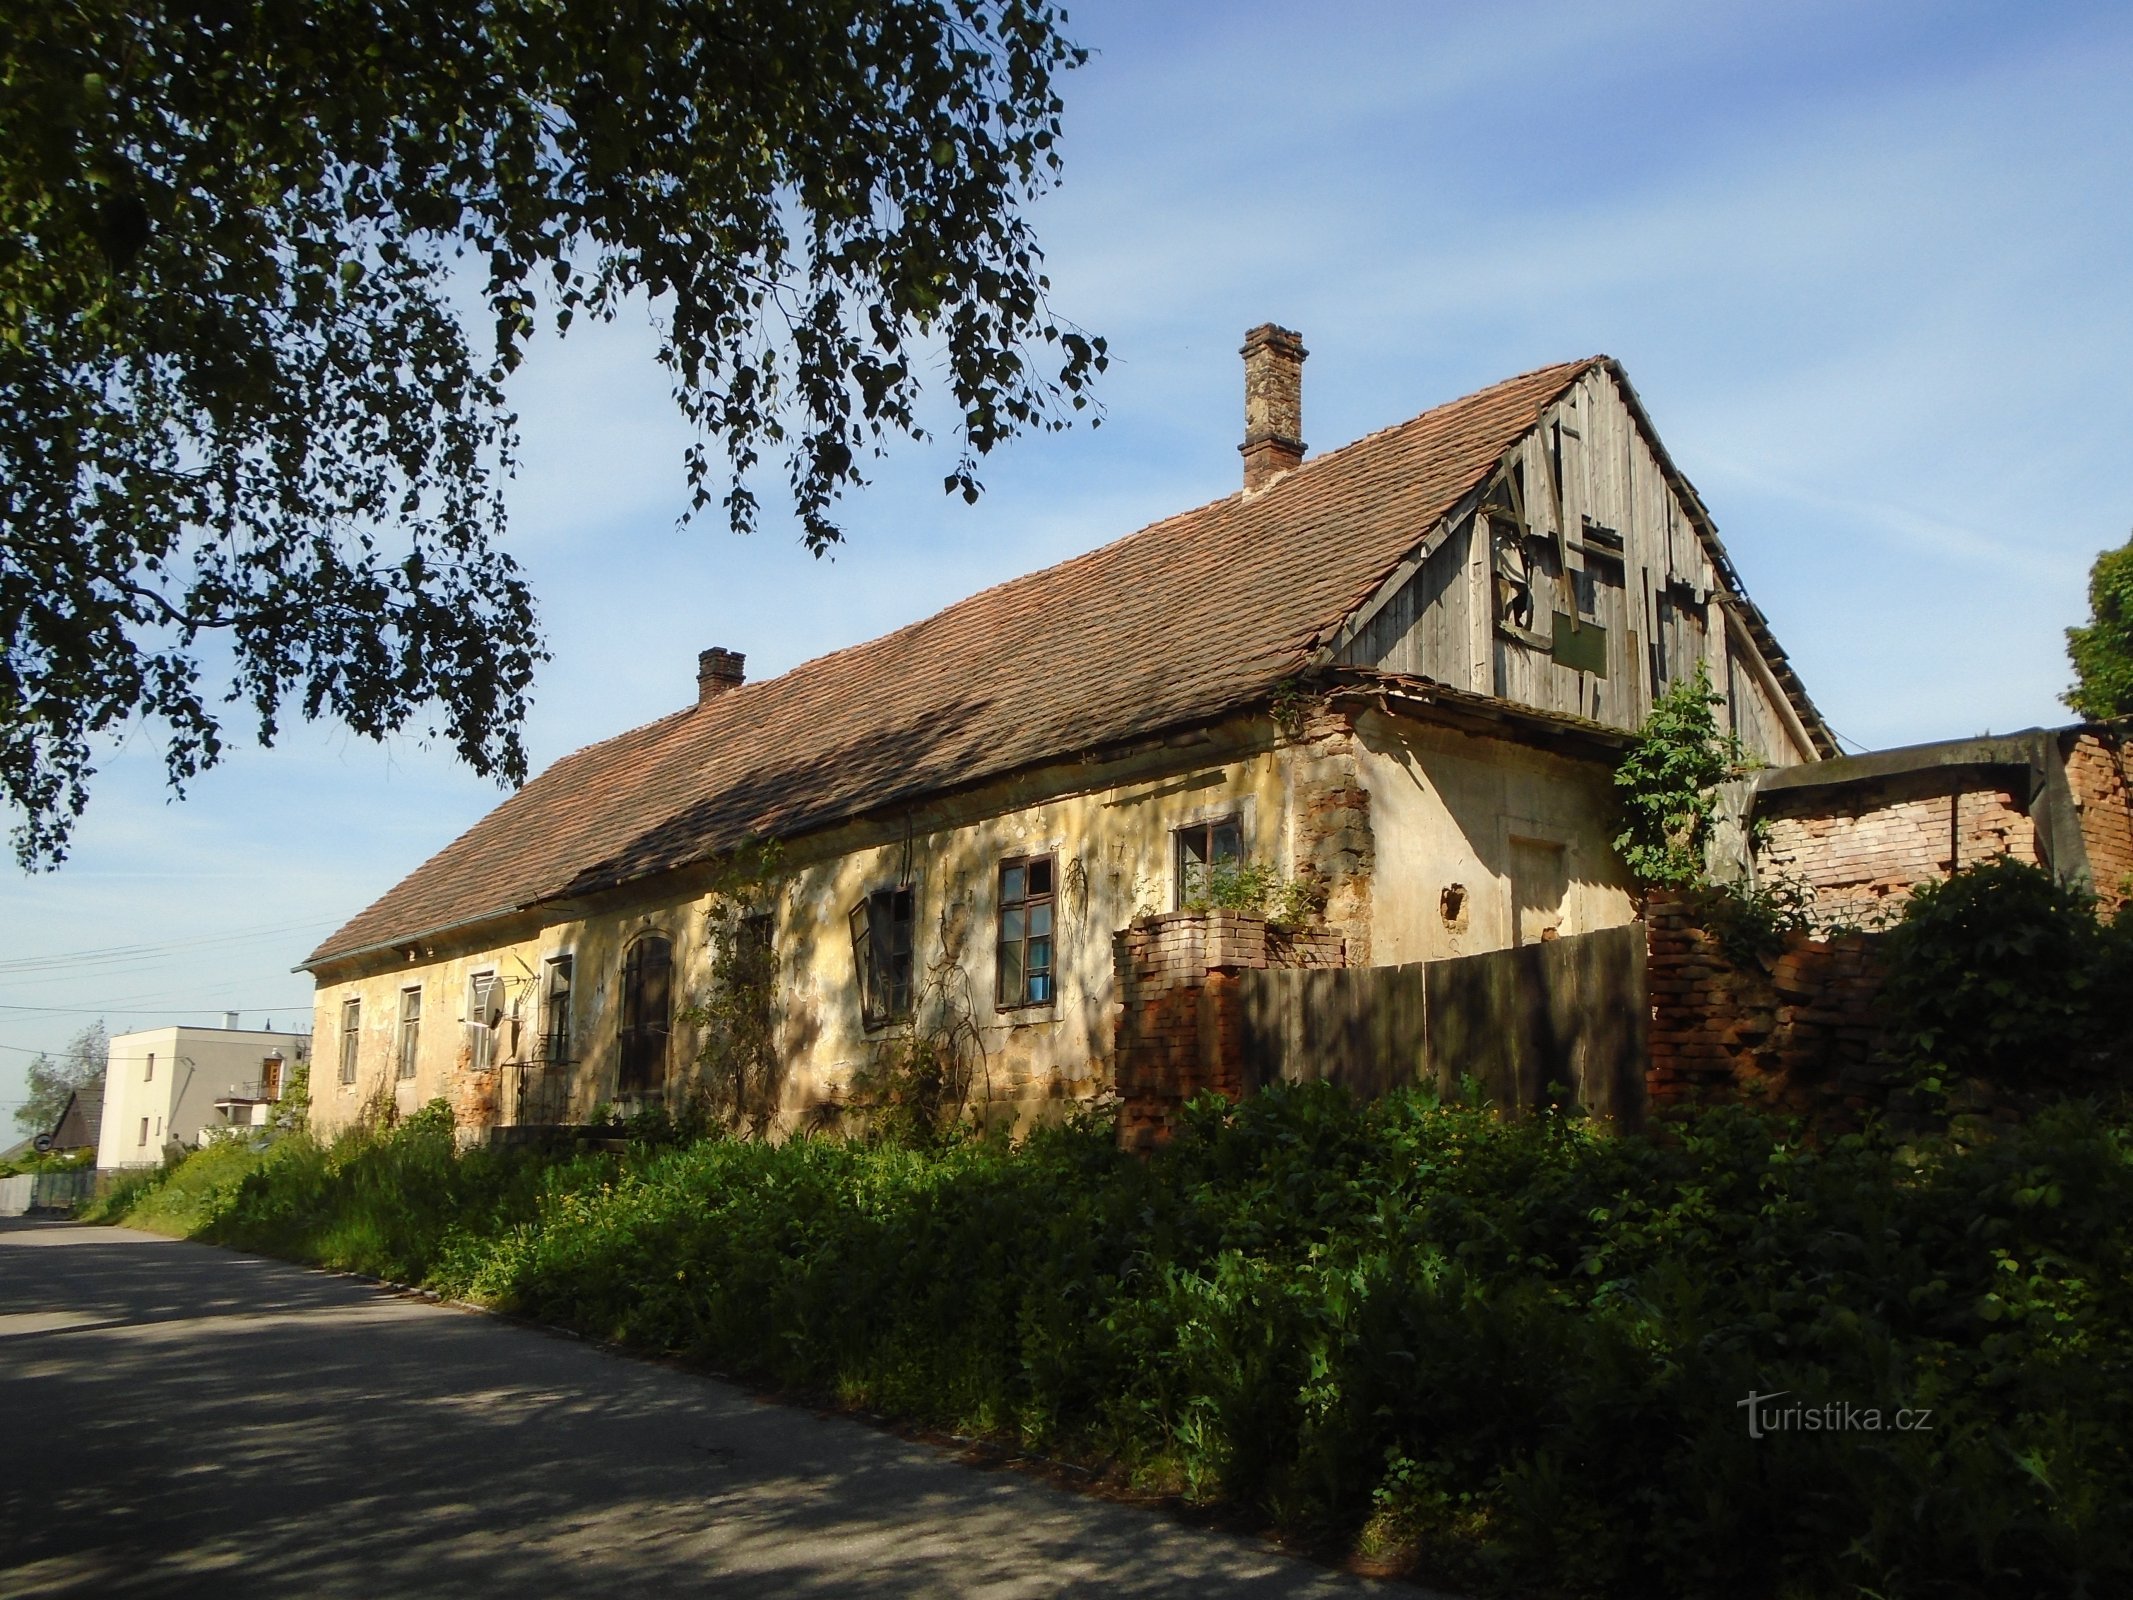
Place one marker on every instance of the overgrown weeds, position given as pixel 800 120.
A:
pixel 1512 1356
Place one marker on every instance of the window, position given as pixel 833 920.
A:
pixel 1201 848
pixel 881 955
pixel 555 1011
pixel 150 1075
pixel 1025 933
pixel 144 1130
pixel 351 1037
pixel 482 988
pixel 410 1030
pixel 647 987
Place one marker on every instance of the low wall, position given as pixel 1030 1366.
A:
pixel 1180 1013
pixel 1798 1029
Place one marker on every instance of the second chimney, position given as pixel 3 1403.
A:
pixel 717 671
pixel 1273 404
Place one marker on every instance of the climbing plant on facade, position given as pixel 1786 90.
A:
pixel 1667 784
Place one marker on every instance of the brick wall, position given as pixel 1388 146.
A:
pixel 1798 1030
pixel 1180 1017
pixel 1864 853
pixel 2098 769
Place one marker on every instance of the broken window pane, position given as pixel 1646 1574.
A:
pixel 1201 848
pixel 882 947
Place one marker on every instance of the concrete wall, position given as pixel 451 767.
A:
pixel 1378 814
pixel 193 1067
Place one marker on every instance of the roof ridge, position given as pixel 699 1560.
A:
pixel 1572 370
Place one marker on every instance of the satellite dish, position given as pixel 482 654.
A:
pixel 491 1011
pixel 42 1144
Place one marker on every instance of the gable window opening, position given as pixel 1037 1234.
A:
pixel 410 1032
pixel 485 996
pixel 555 1010
pixel 647 1012
pixel 1202 850
pixel 882 947
pixel 351 1037
pixel 1025 977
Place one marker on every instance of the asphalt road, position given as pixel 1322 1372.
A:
pixel 177 1419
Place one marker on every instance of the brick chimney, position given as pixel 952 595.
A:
pixel 1273 404
pixel 717 671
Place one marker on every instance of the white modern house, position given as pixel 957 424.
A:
pixel 173 1086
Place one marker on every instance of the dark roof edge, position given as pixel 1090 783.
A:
pixel 1989 751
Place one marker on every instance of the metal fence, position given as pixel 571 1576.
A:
pixel 65 1191
pixel 1514 1023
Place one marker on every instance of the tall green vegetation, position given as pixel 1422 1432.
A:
pixel 1666 783
pixel 2000 971
pixel 1513 1356
pixel 2102 652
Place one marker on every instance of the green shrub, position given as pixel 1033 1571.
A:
pixel 1999 971
pixel 1511 1353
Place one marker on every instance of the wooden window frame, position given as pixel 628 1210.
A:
pixel 644 1040
pixel 481 1042
pixel 1019 983
pixel 884 927
pixel 407 1044
pixel 558 1030
pixel 351 1039
pixel 1207 828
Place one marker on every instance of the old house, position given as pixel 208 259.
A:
pixel 1393 679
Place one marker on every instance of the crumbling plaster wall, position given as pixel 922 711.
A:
pixel 1446 807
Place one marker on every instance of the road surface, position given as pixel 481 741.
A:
pixel 178 1419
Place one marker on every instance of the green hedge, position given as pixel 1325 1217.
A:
pixel 1511 1355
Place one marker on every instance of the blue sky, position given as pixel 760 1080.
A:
pixel 1867 265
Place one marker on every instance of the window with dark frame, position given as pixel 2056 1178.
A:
pixel 150 1075
pixel 410 1030
pixel 555 1011
pixel 1025 933
pixel 882 955
pixel 647 1010
pixel 351 1037
pixel 1201 848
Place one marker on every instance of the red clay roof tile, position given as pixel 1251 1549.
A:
pixel 1181 621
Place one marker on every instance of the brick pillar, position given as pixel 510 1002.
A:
pixel 1181 1017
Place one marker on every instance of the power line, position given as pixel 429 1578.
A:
pixel 134 957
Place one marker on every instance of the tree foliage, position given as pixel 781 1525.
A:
pixel 2102 652
pixel 2003 972
pixel 1666 781
pixel 51 1082
pixel 251 442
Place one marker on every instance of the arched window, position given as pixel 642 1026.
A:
pixel 647 994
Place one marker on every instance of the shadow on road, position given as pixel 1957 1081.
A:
pixel 184 1419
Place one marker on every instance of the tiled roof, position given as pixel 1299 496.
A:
pixel 1181 621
